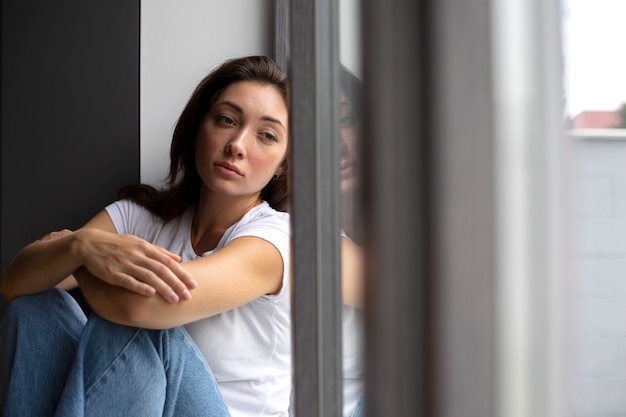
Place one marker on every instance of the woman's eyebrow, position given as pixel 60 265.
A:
pixel 273 120
pixel 231 104
pixel 238 109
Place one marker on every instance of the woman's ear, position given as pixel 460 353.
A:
pixel 282 168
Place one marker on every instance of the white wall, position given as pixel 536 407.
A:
pixel 181 41
pixel 350 35
pixel 599 278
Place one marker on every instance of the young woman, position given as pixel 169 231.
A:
pixel 204 263
pixel 350 162
pixel 352 257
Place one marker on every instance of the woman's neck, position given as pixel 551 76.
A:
pixel 213 216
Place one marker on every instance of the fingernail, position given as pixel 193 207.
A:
pixel 186 295
pixel 192 283
pixel 173 297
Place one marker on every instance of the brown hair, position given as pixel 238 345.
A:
pixel 350 85
pixel 183 181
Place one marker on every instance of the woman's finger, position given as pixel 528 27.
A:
pixel 173 263
pixel 130 283
pixel 159 277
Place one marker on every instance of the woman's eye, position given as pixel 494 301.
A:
pixel 345 120
pixel 268 137
pixel 226 120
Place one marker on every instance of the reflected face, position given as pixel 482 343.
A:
pixel 350 133
pixel 242 142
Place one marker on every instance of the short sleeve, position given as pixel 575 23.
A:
pixel 274 227
pixel 129 217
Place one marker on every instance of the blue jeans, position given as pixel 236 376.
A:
pixel 359 409
pixel 53 361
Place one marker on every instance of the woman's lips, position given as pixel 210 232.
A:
pixel 347 170
pixel 228 168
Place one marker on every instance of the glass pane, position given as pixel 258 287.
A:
pixel 595 86
pixel 350 117
pixel 595 104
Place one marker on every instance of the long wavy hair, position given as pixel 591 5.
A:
pixel 183 181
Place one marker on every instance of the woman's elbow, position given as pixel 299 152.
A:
pixel 137 314
pixel 120 313
pixel 5 296
pixel 7 292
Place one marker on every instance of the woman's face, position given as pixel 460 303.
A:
pixel 242 142
pixel 350 131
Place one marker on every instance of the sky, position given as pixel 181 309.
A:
pixel 594 49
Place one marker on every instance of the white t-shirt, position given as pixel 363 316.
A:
pixel 352 357
pixel 352 361
pixel 247 348
pixel 353 341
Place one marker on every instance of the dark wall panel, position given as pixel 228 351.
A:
pixel 70 113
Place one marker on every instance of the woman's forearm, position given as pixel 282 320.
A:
pixel 105 299
pixel 225 281
pixel 120 260
pixel 41 265
pixel 121 306
pixel 352 273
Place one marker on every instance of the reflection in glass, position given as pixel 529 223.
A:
pixel 350 133
pixel 350 130
pixel 352 271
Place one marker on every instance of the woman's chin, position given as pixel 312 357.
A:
pixel 348 184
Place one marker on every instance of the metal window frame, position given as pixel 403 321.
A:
pixel 398 142
pixel 434 206
pixel 310 52
pixel 532 292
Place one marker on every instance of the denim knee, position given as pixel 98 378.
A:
pixel 51 305
pixel 35 300
pixel 37 304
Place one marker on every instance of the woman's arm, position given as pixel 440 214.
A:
pixel 40 265
pixel 120 260
pixel 243 270
pixel 352 273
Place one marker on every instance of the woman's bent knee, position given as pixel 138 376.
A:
pixel 51 305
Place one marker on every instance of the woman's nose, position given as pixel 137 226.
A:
pixel 343 149
pixel 236 145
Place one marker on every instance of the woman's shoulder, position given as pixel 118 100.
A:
pixel 126 204
pixel 265 214
pixel 262 221
pixel 125 209
pixel 131 217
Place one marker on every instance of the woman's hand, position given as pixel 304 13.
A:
pixel 54 235
pixel 120 260
pixel 134 264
